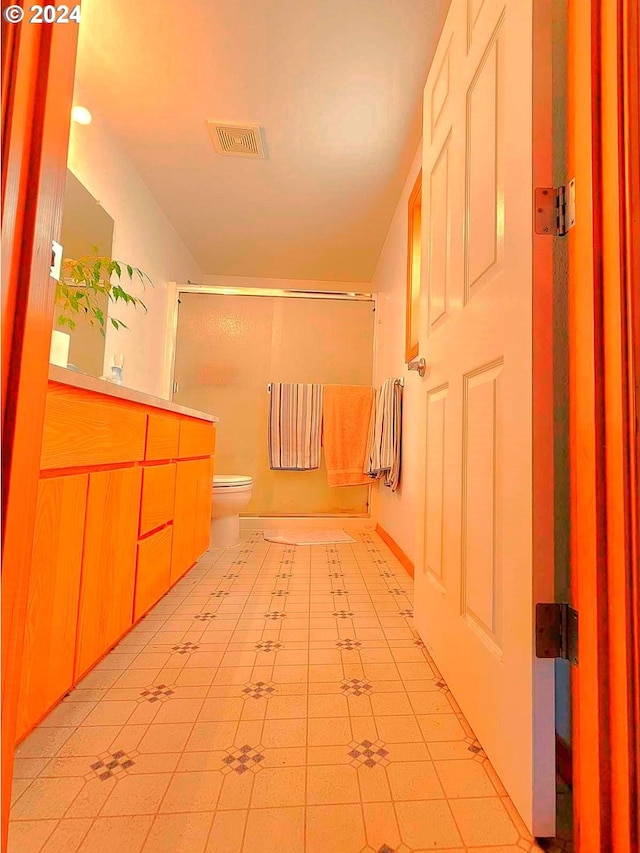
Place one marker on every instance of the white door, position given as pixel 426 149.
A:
pixel 487 525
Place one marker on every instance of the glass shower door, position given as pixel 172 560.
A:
pixel 228 349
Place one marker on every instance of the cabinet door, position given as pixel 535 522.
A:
pixel 54 589
pixel 153 576
pixel 202 535
pixel 184 518
pixel 191 514
pixel 108 565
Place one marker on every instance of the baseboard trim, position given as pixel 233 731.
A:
pixel 396 549
pixel 564 760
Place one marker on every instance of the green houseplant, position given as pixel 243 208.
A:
pixel 84 280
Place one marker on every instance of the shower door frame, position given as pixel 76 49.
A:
pixel 171 337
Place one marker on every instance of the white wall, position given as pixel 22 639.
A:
pixel 142 237
pixel 395 511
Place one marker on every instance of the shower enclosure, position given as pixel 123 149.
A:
pixel 229 347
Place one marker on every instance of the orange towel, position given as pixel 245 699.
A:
pixel 345 426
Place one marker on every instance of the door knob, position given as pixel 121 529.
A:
pixel 420 365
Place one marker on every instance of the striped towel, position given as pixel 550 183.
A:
pixel 295 424
pixel 385 435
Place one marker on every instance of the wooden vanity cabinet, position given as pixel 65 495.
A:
pixel 123 511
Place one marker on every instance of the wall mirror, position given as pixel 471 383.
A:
pixel 86 226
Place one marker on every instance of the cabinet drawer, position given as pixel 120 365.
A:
pixel 84 429
pixel 197 438
pixel 158 492
pixel 153 571
pixel 162 437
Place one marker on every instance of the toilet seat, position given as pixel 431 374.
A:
pixel 227 481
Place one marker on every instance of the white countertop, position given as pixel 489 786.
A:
pixel 110 389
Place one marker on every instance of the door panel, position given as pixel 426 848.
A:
pixel 440 91
pixel 475 586
pixel 435 498
pixel 439 224
pixel 483 165
pixel 481 570
pixel 111 534
pixel 54 591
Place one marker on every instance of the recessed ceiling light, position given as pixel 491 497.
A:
pixel 81 115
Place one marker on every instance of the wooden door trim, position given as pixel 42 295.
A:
pixel 631 128
pixel 586 427
pixel 630 108
pixel 619 423
pixel 40 71
pixel 603 286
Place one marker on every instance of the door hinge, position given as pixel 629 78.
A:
pixel 557 632
pixel 555 209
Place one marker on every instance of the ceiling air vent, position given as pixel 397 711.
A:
pixel 237 140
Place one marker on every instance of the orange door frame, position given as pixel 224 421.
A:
pixel 603 302
pixel 604 281
pixel 38 73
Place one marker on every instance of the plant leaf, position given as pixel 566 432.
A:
pixel 85 279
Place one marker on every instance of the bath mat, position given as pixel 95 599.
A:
pixel 307 537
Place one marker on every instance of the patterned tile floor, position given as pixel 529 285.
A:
pixel 277 699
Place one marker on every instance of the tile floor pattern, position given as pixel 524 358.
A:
pixel 277 698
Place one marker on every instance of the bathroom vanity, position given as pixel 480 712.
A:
pixel 124 510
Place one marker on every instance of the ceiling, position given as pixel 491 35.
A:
pixel 336 86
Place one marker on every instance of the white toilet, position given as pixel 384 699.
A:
pixel 231 494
